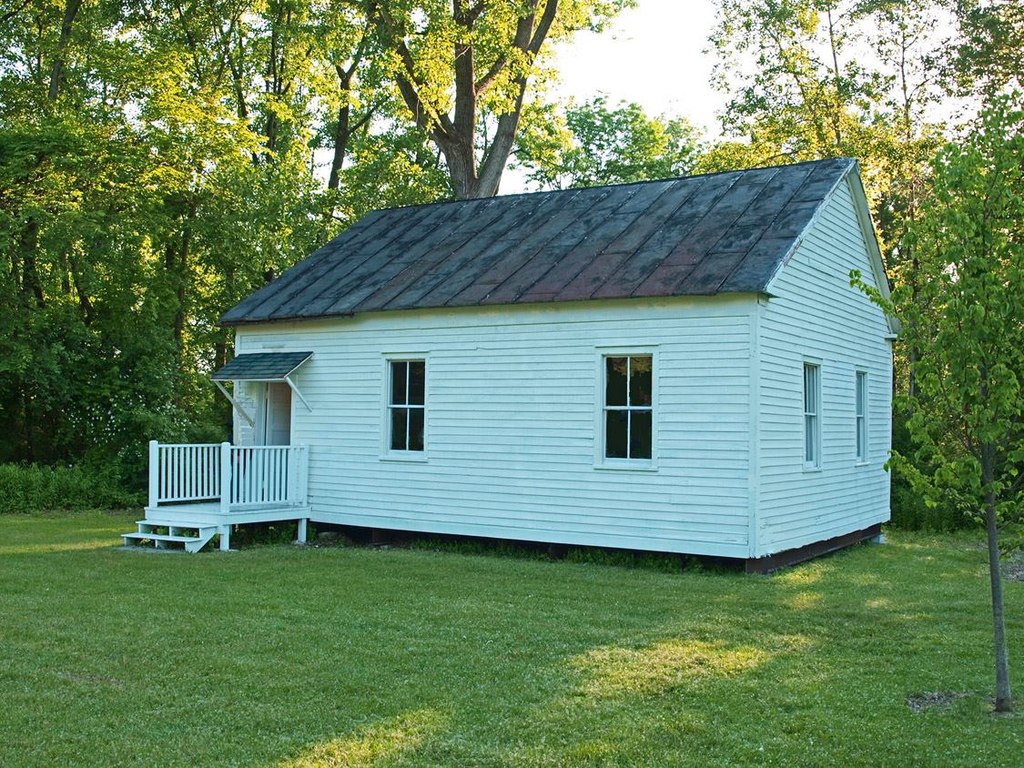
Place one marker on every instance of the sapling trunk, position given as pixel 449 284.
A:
pixel 1004 700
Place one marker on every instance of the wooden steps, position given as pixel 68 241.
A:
pixel 194 536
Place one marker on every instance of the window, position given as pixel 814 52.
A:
pixel 861 395
pixel 406 405
pixel 812 415
pixel 628 407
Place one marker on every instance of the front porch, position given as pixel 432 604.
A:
pixel 198 491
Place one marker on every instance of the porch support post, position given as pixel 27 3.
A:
pixel 154 473
pixel 302 530
pixel 225 479
pixel 225 537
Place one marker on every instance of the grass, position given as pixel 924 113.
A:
pixel 287 656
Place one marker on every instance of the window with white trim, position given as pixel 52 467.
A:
pixel 628 407
pixel 812 415
pixel 406 404
pixel 861 418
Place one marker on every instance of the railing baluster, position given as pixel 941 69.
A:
pixel 279 479
pixel 272 484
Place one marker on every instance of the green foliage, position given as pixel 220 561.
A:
pixel 988 52
pixel 593 144
pixel 155 168
pixel 965 318
pixel 303 656
pixel 32 488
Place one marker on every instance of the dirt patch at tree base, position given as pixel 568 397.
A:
pixel 934 700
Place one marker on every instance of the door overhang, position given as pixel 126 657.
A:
pixel 261 366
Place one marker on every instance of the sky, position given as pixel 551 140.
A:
pixel 651 54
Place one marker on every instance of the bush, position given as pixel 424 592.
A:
pixel 34 488
pixel 908 507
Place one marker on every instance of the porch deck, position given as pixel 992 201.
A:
pixel 198 491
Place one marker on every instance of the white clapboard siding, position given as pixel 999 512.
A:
pixel 816 316
pixel 512 418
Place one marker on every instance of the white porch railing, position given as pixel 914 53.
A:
pixel 232 475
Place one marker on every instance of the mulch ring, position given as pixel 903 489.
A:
pixel 934 700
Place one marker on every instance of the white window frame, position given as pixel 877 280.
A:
pixel 811 415
pixel 400 454
pixel 860 418
pixel 600 423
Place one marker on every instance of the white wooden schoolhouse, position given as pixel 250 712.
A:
pixel 676 366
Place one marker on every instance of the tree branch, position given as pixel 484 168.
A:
pixel 408 83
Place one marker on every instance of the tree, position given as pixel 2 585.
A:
pixel 454 63
pixel 966 318
pixel 988 52
pixel 593 144
pixel 822 78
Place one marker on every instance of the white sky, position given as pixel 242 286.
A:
pixel 651 54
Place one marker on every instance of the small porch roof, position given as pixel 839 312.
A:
pixel 262 366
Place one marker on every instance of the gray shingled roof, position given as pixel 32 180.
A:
pixel 261 366
pixel 700 235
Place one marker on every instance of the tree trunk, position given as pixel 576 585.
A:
pixel 461 161
pixel 455 135
pixel 30 283
pixel 1004 700
pixel 342 132
pixel 57 71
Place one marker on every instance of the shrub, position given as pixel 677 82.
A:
pixel 34 488
pixel 908 507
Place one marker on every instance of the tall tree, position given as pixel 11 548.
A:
pixel 453 62
pixel 988 52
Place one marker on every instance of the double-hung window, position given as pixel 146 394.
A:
pixel 861 418
pixel 406 405
pixel 629 407
pixel 812 416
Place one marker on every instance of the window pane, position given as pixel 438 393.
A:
pixel 616 432
pixel 615 380
pixel 415 429
pixel 809 442
pixel 810 399
pixel 861 382
pixel 399 372
pixel 399 422
pixel 640 380
pixel 417 377
pixel 640 435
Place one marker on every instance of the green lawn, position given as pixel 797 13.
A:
pixel 287 656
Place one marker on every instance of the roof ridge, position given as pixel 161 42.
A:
pixel 616 185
